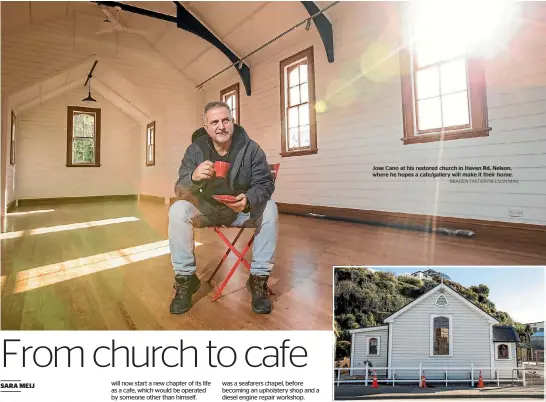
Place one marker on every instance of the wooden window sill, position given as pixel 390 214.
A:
pixel 456 135
pixel 299 153
pixel 82 165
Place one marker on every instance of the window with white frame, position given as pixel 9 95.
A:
pixel 441 335
pixel 230 95
pixel 298 117
pixel 373 345
pixel 503 351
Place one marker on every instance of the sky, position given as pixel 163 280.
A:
pixel 519 291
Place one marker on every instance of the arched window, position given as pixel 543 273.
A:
pixel 441 301
pixel 441 335
pixel 503 351
pixel 373 344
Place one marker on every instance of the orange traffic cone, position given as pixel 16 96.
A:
pixel 375 384
pixel 480 381
pixel 423 383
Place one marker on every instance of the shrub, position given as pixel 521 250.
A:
pixel 343 349
pixel 410 280
pixel 408 290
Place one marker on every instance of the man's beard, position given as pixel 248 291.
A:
pixel 222 136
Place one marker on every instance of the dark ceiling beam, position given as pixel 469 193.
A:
pixel 187 22
pixel 90 75
pixel 324 26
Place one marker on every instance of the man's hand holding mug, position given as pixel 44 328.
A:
pixel 205 171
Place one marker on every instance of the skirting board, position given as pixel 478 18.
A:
pixel 11 206
pixel 514 232
pixel 65 200
pixel 151 198
pixel 173 200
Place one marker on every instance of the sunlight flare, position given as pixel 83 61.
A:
pixel 488 25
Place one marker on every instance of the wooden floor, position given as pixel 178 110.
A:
pixel 93 277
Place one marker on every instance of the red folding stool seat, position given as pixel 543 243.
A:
pixel 231 247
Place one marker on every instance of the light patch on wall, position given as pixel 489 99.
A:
pixel 379 63
pixel 321 106
pixel 3 280
pixel 71 226
pixel 341 92
pixel 54 273
pixel 38 211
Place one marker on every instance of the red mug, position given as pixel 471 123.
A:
pixel 221 168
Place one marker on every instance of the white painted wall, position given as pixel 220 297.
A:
pixel 173 135
pixel 362 125
pixel 505 367
pixel 41 152
pixel 131 74
pixel 411 338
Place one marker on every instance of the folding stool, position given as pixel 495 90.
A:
pixel 231 247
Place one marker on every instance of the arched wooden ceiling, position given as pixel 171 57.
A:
pixel 241 26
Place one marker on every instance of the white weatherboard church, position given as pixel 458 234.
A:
pixel 439 330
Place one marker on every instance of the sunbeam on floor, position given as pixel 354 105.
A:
pixel 38 211
pixel 72 226
pixel 54 273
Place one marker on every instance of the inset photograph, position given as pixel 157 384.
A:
pixel 421 332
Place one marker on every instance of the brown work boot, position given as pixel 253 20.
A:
pixel 185 286
pixel 257 286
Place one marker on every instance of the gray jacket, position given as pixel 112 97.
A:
pixel 250 174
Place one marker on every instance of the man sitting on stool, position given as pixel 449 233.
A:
pixel 249 179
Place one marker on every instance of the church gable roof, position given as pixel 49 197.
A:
pixel 448 291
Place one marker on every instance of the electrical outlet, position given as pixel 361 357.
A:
pixel 515 213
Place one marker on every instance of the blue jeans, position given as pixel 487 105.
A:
pixel 182 219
